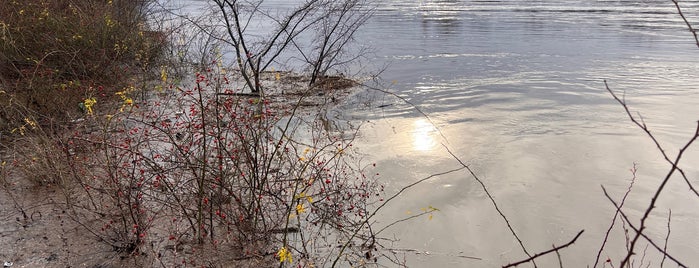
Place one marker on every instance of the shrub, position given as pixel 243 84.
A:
pixel 54 53
pixel 205 165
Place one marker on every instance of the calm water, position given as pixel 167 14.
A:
pixel 516 90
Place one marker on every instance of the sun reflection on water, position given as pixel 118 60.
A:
pixel 423 135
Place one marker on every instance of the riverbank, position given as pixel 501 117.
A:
pixel 49 224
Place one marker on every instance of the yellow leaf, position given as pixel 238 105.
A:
pixel 300 209
pixel 284 255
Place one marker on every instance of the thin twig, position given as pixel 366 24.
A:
pixel 558 255
pixel 691 29
pixel 403 220
pixel 638 231
pixel 509 226
pixel 616 214
pixel 667 237
pixel 642 124
pixel 366 221
pixel 406 101
pixel 660 188
pixel 555 249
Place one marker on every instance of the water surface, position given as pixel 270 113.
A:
pixel 516 90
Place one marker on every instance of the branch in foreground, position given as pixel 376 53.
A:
pixel 616 214
pixel 642 125
pixel 667 238
pixel 638 232
pixel 366 221
pixel 509 226
pixel 691 29
pixel 555 249
pixel 406 101
pixel 661 187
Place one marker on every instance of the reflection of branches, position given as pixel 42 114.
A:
pixel 691 29
pixel 554 249
pixel 509 226
pixel 675 167
pixel 616 214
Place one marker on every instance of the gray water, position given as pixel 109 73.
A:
pixel 515 89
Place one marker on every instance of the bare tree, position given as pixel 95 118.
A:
pixel 334 32
pixel 335 23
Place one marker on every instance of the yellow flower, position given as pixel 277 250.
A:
pixel 300 209
pixel 303 195
pixel 30 122
pixel 88 104
pixel 284 255
pixel 163 74
pixel 108 21
pixel 127 102
pixel 123 95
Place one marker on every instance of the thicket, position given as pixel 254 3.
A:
pixel 205 161
pixel 56 56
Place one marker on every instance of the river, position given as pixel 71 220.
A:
pixel 516 90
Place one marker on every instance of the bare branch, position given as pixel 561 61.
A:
pixel 366 221
pixel 554 249
pixel 406 101
pixel 674 168
pixel 642 124
pixel 509 226
pixel 616 214
pixel 667 238
pixel 691 29
pixel 638 231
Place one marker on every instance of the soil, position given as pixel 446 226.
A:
pixel 35 232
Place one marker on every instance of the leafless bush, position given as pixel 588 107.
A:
pixel 331 25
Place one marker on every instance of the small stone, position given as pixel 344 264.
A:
pixel 53 257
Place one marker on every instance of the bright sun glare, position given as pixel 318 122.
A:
pixel 423 135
